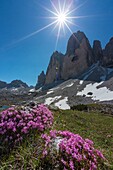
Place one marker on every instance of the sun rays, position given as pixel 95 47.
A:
pixel 60 17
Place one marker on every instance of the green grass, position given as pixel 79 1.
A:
pixel 95 126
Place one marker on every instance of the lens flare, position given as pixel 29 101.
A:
pixel 62 14
pixel 61 18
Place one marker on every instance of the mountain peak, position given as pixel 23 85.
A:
pixel 75 41
pixel 78 58
pixel 13 84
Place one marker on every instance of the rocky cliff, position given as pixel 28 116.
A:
pixel 97 51
pixel 108 54
pixel 78 58
pixel 41 80
pixel 54 69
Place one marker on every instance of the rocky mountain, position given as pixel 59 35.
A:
pixel 3 84
pixel 97 51
pixel 13 84
pixel 93 86
pixel 16 87
pixel 13 93
pixel 84 74
pixel 79 57
pixel 108 54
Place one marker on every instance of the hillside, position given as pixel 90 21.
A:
pixel 93 125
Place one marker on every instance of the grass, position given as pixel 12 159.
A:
pixel 95 126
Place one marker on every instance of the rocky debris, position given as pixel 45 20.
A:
pixel 54 69
pixel 41 80
pixel 97 51
pixel 108 83
pixel 108 54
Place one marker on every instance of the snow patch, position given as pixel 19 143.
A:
pixel 49 92
pixel 14 89
pixel 50 100
pixel 62 104
pixel 32 90
pixel 101 94
pixel 54 88
pixel 81 82
pixel 38 90
pixel 68 85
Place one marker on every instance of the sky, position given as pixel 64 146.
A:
pixel 25 53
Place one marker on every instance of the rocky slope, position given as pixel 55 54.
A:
pixel 93 86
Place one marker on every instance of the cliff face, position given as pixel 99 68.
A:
pixel 54 69
pixel 97 51
pixel 108 54
pixel 78 58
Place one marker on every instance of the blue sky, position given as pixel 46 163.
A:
pixel 27 58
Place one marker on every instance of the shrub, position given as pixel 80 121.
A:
pixel 16 124
pixel 69 151
pixel 80 107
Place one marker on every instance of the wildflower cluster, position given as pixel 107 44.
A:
pixel 71 150
pixel 17 123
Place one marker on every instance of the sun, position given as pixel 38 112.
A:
pixel 61 18
pixel 61 14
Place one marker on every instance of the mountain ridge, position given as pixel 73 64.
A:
pixel 13 84
pixel 78 58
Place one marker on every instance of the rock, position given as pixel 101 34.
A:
pixel 108 54
pixel 13 84
pixel 41 80
pixel 78 56
pixel 3 84
pixel 53 107
pixel 77 60
pixel 97 51
pixel 32 104
pixel 54 69
pixel 17 84
pixel 90 93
